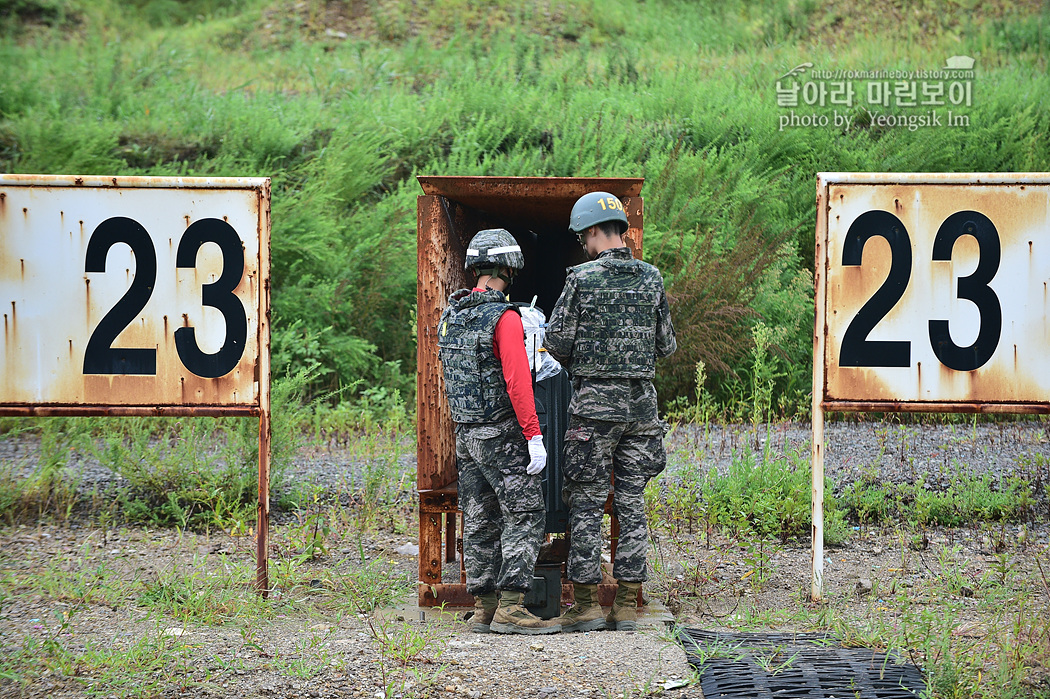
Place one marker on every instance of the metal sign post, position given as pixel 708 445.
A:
pixel 931 296
pixel 138 296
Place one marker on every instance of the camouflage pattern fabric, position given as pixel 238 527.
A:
pixel 503 515
pixel 493 247
pixel 612 319
pixel 474 383
pixel 631 452
pixel 610 324
pixel 616 400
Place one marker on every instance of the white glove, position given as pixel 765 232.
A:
pixel 537 454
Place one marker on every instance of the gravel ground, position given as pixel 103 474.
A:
pixel 883 451
pixel 311 655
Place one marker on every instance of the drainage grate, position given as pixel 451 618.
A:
pixel 795 666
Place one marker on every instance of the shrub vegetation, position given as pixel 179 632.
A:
pixel 344 103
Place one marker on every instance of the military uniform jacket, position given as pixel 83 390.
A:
pixel 474 383
pixel 610 324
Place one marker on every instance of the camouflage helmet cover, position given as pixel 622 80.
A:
pixel 594 208
pixel 494 247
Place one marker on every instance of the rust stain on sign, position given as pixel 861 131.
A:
pixel 953 310
pixel 115 311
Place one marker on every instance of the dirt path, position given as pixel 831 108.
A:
pixel 137 612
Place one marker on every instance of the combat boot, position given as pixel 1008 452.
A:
pixel 624 614
pixel 585 614
pixel 484 608
pixel 512 617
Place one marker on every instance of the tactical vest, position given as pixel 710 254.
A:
pixel 474 383
pixel 616 334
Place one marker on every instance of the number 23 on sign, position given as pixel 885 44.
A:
pixel 936 293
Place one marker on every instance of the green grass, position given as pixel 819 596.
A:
pixel 679 93
pixel 764 494
pixel 966 500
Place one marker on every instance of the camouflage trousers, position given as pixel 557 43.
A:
pixel 630 452
pixel 503 515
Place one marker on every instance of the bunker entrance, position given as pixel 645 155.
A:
pixel 535 210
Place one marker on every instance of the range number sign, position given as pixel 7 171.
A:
pixel 936 291
pixel 134 291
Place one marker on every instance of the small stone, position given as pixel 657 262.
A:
pixel 536 646
pixel 408 549
pixel 864 586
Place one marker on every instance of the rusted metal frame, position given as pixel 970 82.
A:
pixel 433 505
pixel 137 182
pixel 435 280
pixel 438 221
pixel 968 178
pixel 262 524
pixel 128 411
pixel 456 595
pixel 429 556
pixel 452 594
pixel 544 201
pixel 902 407
pixel 440 500
pixel 817 421
pixel 497 186
pixel 430 432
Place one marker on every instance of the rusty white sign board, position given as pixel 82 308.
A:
pixel 132 291
pixel 934 288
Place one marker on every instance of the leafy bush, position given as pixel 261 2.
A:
pixel 678 93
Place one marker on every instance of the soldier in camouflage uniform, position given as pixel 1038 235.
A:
pixel 610 324
pixel 499 448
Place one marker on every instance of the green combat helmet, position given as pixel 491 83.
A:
pixel 493 250
pixel 594 208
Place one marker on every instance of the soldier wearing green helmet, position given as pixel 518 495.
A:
pixel 610 324
pixel 499 446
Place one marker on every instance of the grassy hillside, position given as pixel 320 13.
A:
pixel 343 103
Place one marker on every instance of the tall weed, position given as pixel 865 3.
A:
pixel 678 93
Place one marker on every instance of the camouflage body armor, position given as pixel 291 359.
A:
pixel 616 335
pixel 474 383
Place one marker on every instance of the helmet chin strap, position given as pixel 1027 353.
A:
pixel 499 273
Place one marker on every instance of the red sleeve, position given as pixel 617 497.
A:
pixel 508 341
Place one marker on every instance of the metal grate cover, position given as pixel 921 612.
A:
pixel 795 666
